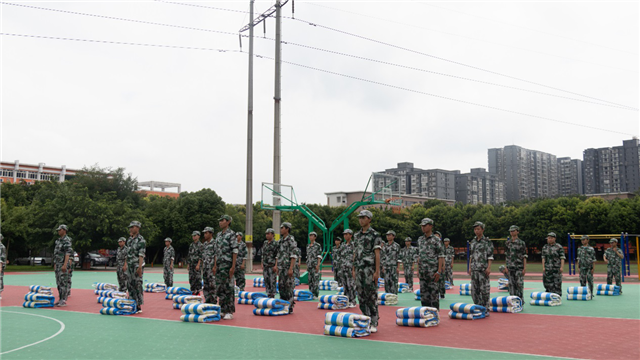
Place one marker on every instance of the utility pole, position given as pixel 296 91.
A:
pixel 248 228
pixel 276 117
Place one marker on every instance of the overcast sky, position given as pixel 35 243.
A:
pixel 180 115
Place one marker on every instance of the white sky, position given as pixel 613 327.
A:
pixel 179 115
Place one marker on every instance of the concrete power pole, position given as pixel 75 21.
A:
pixel 276 116
pixel 248 228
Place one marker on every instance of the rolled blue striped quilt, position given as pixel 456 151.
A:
pixel 417 316
pixel 417 322
pixel 503 284
pixel 41 298
pixel 608 287
pixel 343 331
pixel 179 300
pixel 467 311
pixel 507 304
pixel 417 292
pixel 347 320
pixel 200 309
pixel 175 290
pixel 340 290
pixel 270 307
pixel 333 302
pixel 197 318
pixel 122 304
pixel 258 282
pixel 447 285
pixel 545 303
pixel 578 290
pixel 404 288
pixel 545 299
pixel 326 306
pixel 387 299
pixel 271 312
pixel 608 292
pixel 105 286
pixel 116 311
pixel 39 289
pixel 302 295
pixel 330 285
pixel 37 304
pixel 465 289
pixel 111 293
pixel 154 287
pixel 242 301
pixel 380 282
pixel 251 295
pixel 583 297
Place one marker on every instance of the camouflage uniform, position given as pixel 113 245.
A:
pixel 586 259
pixel 62 248
pixel 364 246
pixel 480 252
pixel 337 267
pixel 515 253
pixel 121 257
pixel 3 260
pixel 408 256
pixel 449 254
pixel 429 253
pixel 209 280
pixel 296 267
pixel 240 272
pixel 390 264
pixel 136 247
pixel 614 267
pixel 552 278
pixel 314 255
pixel 195 276
pixel 269 255
pixel 70 269
pixel 226 245
pixel 346 254
pixel 167 260
pixel 286 253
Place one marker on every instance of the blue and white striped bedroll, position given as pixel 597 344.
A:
pixel 581 297
pixel 467 311
pixel 506 304
pixel 417 316
pixel 465 289
pixel 112 306
pixel 609 290
pixel 270 307
pixel 175 290
pixel 39 289
pixel 346 324
pixel 545 299
pixel 105 286
pixel 302 295
pixel 340 290
pixel 578 293
pixel 154 287
pixel 403 288
pixel 447 285
pixel 195 318
pixel 36 300
pixel 200 313
pixel 248 297
pixel 179 300
pixel 503 284
pixel 36 304
pixel 333 302
pixel 110 293
pixel 330 285
pixel 387 299
pixel 417 292
pixel 380 282
pixel 343 331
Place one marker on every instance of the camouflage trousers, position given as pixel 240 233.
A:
pixel 296 273
pixel 62 280
pixel 195 278
pixel 613 273
pixel 2 278
pixel 168 275
pixel 429 292
pixel 552 281
pixel 270 278
pixel 367 289
pixel 286 285
pixel 448 274
pixel 70 267
pixel 314 279
pixel 391 280
pixel 516 283
pixel 122 279
pixel 337 276
pixel 224 291
pixel 134 286
pixel 209 285
pixel 349 285
pixel 586 277
pixel 441 289
pixel 408 275
pixel 480 288
pixel 239 278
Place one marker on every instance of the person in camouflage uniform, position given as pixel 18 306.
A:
pixel 121 258
pixel 314 257
pixel 346 254
pixel 241 261
pixel 61 254
pixel 586 264
pixel 407 257
pixel 441 287
pixel 167 262
pixel 480 259
pixel 270 263
pixel 224 266
pixel 552 265
pixel 516 258
pixel 3 263
pixel 287 259
pixel 430 265
pixel 449 256
pixel 195 263
pixel 612 257
pixel 366 254
pixel 335 261
pixel 391 252
pixel 296 269
pixel 209 279
pixel 70 266
pixel 134 266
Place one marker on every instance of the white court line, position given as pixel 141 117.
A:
pixel 62 327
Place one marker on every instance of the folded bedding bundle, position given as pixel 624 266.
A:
pixel 302 295
pixel 178 291
pixel 328 285
pixel 248 298
pixel 258 282
pixel 545 299
pixel 333 302
pixel 380 282
pixel 387 299
pixel 236 290
pixel 417 316
pixel 39 289
pixel 506 304
pixel 404 288
pixel 503 284
pixel 105 286
pixel 345 324
pixel 155 287
pixel 467 311
pixel 111 306
pixel 340 290
pixel 417 292
pixel 200 313
pixel 270 307
pixel 610 290
pixel 37 300
pixel 179 300
pixel 447 285
pixel 578 293
pixel 465 289
pixel 110 294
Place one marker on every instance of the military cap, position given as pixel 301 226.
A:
pixel 225 217
pixel 426 221
pixel 348 231
pixel 239 233
pixel 478 223
pixel 613 240
pixel 338 238
pixel 365 213
pixel 122 239
pixel 439 233
pixel 135 223
pixel 514 228
pixel 195 233
pixel 286 224
pixel 501 268
pixel 168 239
pixel 208 229
pixel 391 232
pixel 551 234
pixel 62 227
pixel 270 230
pixel 313 233
pixel 446 239
pixel 407 239
pixel 584 237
